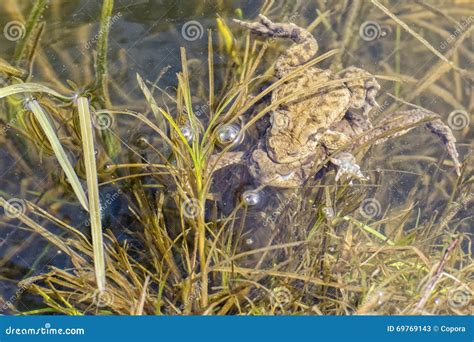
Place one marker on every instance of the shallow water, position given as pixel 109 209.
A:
pixel 145 38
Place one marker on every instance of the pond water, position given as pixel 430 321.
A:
pixel 412 186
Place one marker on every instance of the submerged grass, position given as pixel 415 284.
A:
pixel 58 150
pixel 49 131
pixel 93 190
pixel 32 28
pixel 188 244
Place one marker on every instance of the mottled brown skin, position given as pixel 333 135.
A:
pixel 299 125
pixel 307 129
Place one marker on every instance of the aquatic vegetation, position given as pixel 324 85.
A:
pixel 116 203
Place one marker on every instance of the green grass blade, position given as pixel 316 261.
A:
pixel 31 24
pixel 58 150
pixel 10 69
pixel 21 88
pixel 370 230
pixel 102 44
pixel 93 190
pixel 159 117
pixel 157 111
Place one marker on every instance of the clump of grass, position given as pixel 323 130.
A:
pixel 325 248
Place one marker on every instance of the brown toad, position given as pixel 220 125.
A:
pixel 320 119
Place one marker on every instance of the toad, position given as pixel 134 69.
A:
pixel 320 125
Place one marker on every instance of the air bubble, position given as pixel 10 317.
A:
pixel 187 132
pixel 251 197
pixel 142 142
pixel 228 134
pixel 328 212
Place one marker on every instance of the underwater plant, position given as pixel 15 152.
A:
pixel 119 200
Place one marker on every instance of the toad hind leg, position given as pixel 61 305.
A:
pixel 303 51
pixel 405 121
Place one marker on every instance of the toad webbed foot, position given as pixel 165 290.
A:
pixel 346 165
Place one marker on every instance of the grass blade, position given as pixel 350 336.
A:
pixel 102 44
pixel 10 69
pixel 413 33
pixel 157 111
pixel 20 88
pixel 93 190
pixel 54 239
pixel 370 230
pixel 31 25
pixel 58 150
